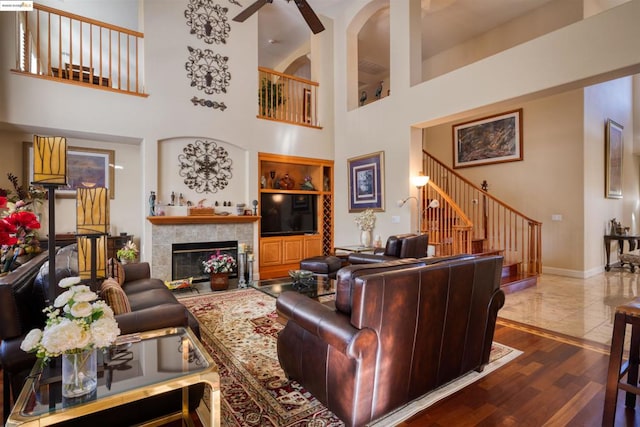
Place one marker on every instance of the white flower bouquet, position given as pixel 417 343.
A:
pixel 77 321
pixel 366 220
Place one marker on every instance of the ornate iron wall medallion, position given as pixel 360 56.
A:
pixel 208 21
pixel 206 168
pixel 208 71
pixel 208 103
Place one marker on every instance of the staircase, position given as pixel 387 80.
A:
pixel 479 223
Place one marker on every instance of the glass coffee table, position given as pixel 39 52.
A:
pixel 314 287
pixel 145 364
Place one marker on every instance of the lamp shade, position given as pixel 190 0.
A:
pixel 49 160
pixel 420 180
pixel 84 256
pixel 93 211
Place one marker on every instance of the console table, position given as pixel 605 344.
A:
pixel 633 242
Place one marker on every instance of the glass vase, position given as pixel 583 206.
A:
pixel 79 373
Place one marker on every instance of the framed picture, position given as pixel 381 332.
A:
pixel 306 106
pixel 86 167
pixel 366 182
pixel 493 139
pixel 613 160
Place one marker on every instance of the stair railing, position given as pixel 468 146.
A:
pixel 449 228
pixel 286 98
pixel 57 45
pixel 497 227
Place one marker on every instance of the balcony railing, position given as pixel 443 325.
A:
pixel 54 44
pixel 287 98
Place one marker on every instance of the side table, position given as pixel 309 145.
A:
pixel 157 362
pixel 633 241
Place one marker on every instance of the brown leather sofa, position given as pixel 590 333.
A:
pixel 153 306
pixel 397 246
pixel 398 330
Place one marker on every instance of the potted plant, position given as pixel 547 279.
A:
pixel 128 253
pixel 218 266
pixel 271 97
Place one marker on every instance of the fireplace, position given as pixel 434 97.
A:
pixel 186 258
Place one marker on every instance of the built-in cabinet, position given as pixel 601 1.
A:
pixel 280 174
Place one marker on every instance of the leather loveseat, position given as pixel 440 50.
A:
pixel 398 330
pixel 397 246
pixel 153 306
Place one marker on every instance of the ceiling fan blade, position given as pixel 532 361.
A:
pixel 242 16
pixel 310 16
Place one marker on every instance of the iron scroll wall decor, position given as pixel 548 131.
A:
pixel 206 168
pixel 208 71
pixel 208 21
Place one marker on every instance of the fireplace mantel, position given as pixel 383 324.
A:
pixel 202 219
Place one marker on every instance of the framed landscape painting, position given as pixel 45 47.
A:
pixel 613 163
pixel 366 182
pixel 492 139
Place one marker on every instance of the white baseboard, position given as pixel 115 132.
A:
pixel 578 274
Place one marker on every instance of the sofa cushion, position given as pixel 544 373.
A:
pixel 151 298
pixel 114 296
pixel 115 270
pixel 347 275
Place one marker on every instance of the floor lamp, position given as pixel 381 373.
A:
pixel 50 171
pixel 92 222
pixel 420 181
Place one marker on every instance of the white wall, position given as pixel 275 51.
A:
pixel 104 118
pixel 575 55
pixel 596 49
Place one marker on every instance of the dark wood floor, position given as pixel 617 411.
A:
pixel 557 381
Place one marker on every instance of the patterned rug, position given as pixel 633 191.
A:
pixel 240 328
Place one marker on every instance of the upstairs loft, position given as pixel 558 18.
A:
pixel 72 49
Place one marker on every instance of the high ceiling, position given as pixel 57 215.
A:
pixel 445 23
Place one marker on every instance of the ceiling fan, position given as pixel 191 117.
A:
pixel 307 13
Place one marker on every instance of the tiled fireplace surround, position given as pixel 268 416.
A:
pixel 164 235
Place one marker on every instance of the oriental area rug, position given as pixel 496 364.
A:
pixel 239 329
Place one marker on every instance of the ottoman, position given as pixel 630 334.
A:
pixel 322 265
pixel 631 258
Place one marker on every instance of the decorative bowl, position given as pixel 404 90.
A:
pixel 300 275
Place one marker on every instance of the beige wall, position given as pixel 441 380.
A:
pixel 549 179
pixel 124 207
pixel 609 100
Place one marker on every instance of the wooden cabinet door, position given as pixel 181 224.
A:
pixel 312 246
pixel 270 252
pixel 292 249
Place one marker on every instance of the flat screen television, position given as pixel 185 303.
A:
pixel 288 214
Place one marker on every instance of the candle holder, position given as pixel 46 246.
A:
pixel 242 258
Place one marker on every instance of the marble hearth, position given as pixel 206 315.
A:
pixel 167 230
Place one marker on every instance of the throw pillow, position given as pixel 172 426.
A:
pixel 114 296
pixel 115 270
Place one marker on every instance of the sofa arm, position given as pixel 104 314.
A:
pixel 359 258
pixel 157 317
pixel 327 324
pixel 136 271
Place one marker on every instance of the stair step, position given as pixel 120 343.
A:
pixel 517 282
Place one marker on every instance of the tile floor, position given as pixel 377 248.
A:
pixel 581 308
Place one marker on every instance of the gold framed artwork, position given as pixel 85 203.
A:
pixel 493 139
pixel 86 168
pixel 613 159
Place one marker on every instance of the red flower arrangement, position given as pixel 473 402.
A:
pixel 18 227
